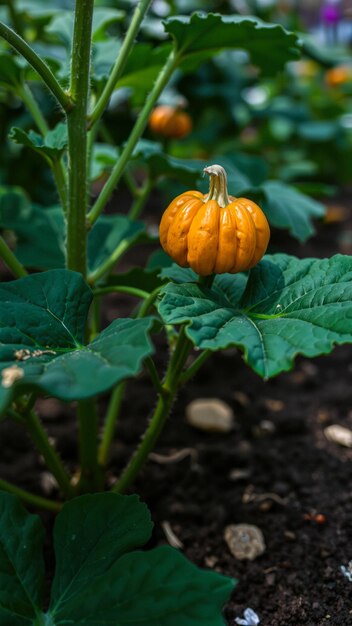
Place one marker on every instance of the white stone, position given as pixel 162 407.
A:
pixel 245 541
pixel 211 415
pixel 339 434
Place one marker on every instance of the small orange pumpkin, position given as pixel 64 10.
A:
pixel 170 122
pixel 338 76
pixel 214 233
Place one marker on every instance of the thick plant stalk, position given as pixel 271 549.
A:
pixel 38 65
pixel 76 244
pixel 90 479
pixel 139 13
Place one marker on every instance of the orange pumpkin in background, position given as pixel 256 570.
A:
pixel 170 122
pixel 338 76
pixel 214 233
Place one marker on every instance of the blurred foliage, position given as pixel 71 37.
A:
pixel 295 126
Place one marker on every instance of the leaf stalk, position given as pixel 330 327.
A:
pixel 44 71
pixel 135 135
pixel 139 13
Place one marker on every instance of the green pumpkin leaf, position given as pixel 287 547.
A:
pixel 51 147
pixel 286 207
pixel 202 35
pixel 39 235
pixel 35 9
pixel 21 563
pixel 62 24
pixel 142 68
pixel 289 307
pixel 40 232
pixel 11 71
pixel 149 588
pixel 187 171
pixel 104 55
pixel 42 324
pixel 178 274
pixel 91 533
pixel 104 158
pixel 98 579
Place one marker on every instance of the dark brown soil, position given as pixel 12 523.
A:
pixel 290 472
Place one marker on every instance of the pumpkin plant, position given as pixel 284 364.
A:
pixel 51 340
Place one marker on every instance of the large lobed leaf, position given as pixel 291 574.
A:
pixel 98 580
pixel 286 307
pixel 40 232
pixel 42 324
pixel 155 588
pixel 104 583
pixel 103 528
pixel 201 35
pixel 286 207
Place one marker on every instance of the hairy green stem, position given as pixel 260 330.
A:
pixel 90 478
pixel 105 267
pixel 148 302
pixel 150 365
pixel 196 365
pixel 50 455
pixel 30 498
pixel 161 413
pixel 38 65
pixel 135 135
pixel 121 60
pixel 110 423
pixel 114 408
pixel 76 244
pixel 11 260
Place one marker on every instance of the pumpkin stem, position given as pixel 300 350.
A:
pixel 217 185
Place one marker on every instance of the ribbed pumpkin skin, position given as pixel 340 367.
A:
pixel 170 122
pixel 210 239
